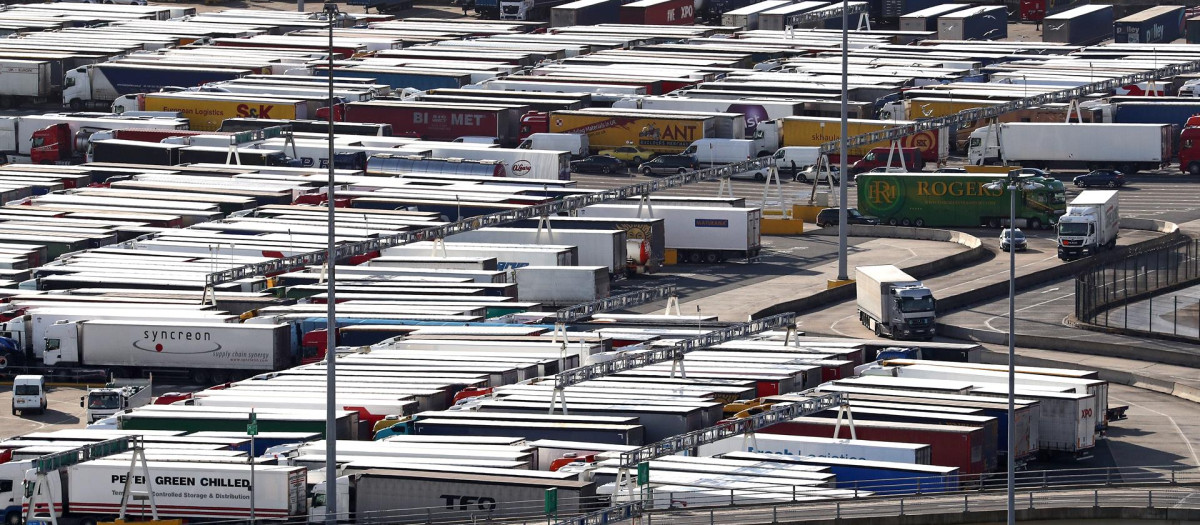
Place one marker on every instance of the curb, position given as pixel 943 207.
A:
pixel 975 251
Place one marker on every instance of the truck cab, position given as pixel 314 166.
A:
pixel 1089 226
pixel 318 501
pixel 894 304
pixel 29 394
pixel 12 477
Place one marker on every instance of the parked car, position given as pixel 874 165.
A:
pixel 598 164
pixel 829 217
pixel 813 173
pixel 631 155
pixel 668 164
pixel 1014 238
pixel 1109 178
pixel 950 170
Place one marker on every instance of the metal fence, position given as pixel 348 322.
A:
pixel 1129 293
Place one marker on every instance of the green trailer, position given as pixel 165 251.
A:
pixel 957 200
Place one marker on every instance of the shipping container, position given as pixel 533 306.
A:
pixel 1081 26
pixel 1158 24
pixel 658 12
pixel 977 23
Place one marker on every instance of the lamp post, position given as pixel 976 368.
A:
pixel 1011 184
pixel 331 12
pixel 843 275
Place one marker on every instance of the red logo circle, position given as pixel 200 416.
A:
pixel 158 348
pixel 522 168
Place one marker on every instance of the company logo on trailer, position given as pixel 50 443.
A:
pixel 522 168
pixel 176 342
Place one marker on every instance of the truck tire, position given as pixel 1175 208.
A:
pixel 1194 168
pixel 12 518
pixel 905 222
pixel 712 257
pixel 694 257
pixel 1035 224
pixel 919 222
pixel 893 222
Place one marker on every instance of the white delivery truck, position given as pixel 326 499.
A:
pixel 893 303
pixel 1074 145
pixel 199 348
pixel 91 492
pixel 711 152
pixel 1091 224
pixel 116 397
pixel 697 233
pixel 575 143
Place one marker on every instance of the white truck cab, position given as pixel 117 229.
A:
pixel 29 394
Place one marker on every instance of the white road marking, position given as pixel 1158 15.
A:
pixel 1186 441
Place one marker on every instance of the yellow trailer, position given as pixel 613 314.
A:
pixel 657 133
pixel 814 131
pixel 207 111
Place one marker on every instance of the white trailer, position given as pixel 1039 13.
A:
pixel 67 131
pixel 92 491
pixel 558 87
pixel 919 454
pixel 1127 147
pixel 606 248
pixel 747 17
pixel 560 285
pixel 1091 224
pixel 893 303
pixel 25 78
pixel 507 255
pixel 170 346
pixel 575 143
pixel 105 82
pixel 524 163
pixel 29 330
pixel 697 233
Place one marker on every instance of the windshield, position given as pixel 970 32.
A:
pixel 104 400
pixel 916 304
pixel 26 390
pixel 1073 228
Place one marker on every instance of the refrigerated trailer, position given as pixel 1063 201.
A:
pixel 173 347
pixel 697 233
pixel 105 82
pixel 1127 147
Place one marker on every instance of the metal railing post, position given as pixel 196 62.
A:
pixel 774 513
pixel 712 517
pixel 901 506
pixel 1150 499
pixel 1095 498
pixel 1031 500
pixel 731 503
pixel 1045 481
pixel 838 510
pixel 966 503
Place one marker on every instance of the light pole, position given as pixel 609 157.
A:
pixel 331 12
pixel 1011 185
pixel 842 215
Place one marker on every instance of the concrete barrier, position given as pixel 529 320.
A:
pixel 1077 346
pixel 1082 513
pixel 975 251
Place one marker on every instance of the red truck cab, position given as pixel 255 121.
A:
pixel 1189 148
pixel 878 158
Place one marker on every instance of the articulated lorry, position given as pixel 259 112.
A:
pixel 91 492
pixel 115 397
pixel 958 200
pixel 105 82
pixel 893 303
pixel 202 349
pixel 1126 147
pixel 659 133
pixel 1091 224
pixel 63 138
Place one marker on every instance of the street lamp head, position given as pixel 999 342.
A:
pixel 1030 185
pixel 995 185
pixel 331 10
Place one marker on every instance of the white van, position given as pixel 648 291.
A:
pixel 711 152
pixel 29 393
pixel 473 139
pixel 795 159
pixel 576 143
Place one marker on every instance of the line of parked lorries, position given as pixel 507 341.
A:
pixel 210 154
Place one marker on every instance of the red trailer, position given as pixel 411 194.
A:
pixel 659 12
pixel 952 445
pixel 439 121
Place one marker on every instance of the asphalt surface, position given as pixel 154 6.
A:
pixel 62 410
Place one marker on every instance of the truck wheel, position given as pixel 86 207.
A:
pixel 200 377
pixel 12 518
pixel 919 222
pixel 87 521
pixel 893 222
pixel 694 258
pixel 712 258
pixel 1035 224
pixel 1194 168
pixel 905 222
pixel 878 330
